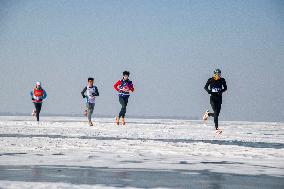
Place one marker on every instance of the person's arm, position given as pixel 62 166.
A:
pixel 206 86
pixel 97 91
pixel 224 86
pixel 132 88
pixel 44 94
pixel 83 92
pixel 32 95
pixel 118 83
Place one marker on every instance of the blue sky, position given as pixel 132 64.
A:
pixel 170 47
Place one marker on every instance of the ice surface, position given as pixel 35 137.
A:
pixel 63 152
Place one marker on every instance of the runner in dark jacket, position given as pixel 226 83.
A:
pixel 215 86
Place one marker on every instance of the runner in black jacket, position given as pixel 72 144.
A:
pixel 215 86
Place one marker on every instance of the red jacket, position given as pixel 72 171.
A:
pixel 38 95
pixel 123 87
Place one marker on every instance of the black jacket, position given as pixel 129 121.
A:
pixel 216 87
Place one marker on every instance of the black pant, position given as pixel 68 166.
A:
pixel 216 102
pixel 123 100
pixel 38 108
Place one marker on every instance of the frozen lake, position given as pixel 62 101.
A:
pixel 67 153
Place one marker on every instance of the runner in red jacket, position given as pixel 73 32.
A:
pixel 123 87
pixel 38 94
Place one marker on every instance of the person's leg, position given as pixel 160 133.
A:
pixel 126 102
pixel 90 109
pixel 38 109
pixel 123 102
pixel 35 104
pixel 214 105
pixel 216 113
pixel 117 118
pixel 87 109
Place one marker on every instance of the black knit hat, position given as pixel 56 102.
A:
pixel 126 73
pixel 217 71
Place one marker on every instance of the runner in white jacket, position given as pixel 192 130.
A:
pixel 90 92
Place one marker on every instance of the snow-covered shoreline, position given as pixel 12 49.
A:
pixel 245 148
